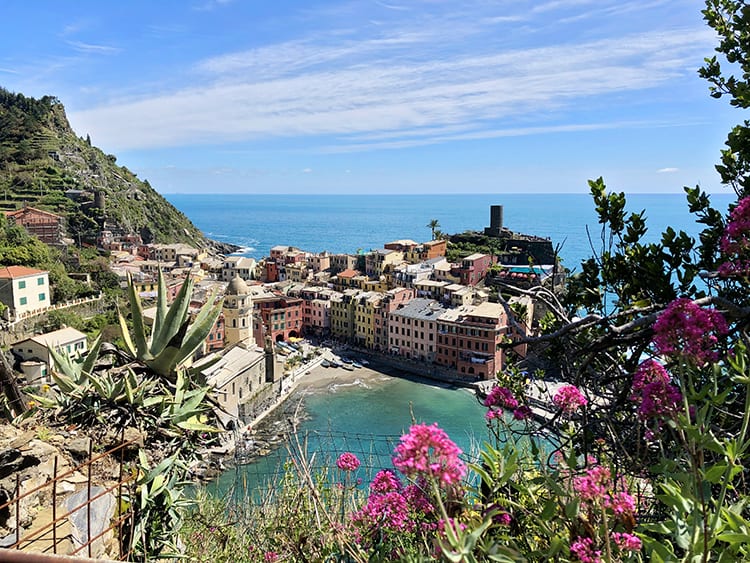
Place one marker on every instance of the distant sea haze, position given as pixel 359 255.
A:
pixel 346 223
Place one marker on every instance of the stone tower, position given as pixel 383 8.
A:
pixel 238 313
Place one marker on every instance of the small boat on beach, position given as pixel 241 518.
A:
pixel 325 364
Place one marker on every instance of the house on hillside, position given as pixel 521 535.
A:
pixel 46 226
pixel 35 358
pixel 23 290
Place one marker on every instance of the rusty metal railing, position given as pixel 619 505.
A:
pixel 25 540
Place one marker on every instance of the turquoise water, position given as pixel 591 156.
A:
pixel 367 420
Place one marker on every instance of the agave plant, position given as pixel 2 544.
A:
pixel 173 339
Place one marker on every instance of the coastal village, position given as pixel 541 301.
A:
pixel 404 303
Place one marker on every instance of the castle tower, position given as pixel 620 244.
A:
pixel 238 313
pixel 496 221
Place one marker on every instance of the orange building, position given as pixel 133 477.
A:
pixel 47 227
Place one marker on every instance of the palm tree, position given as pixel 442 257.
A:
pixel 433 225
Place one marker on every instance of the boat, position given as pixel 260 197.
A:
pixel 348 367
pixel 356 365
pixel 346 360
pixel 325 364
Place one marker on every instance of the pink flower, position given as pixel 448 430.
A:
pixel 522 413
pixel 501 397
pixel 427 451
pixel 569 399
pixel 347 462
pixel 627 542
pixel 385 481
pixel 389 511
pixel 654 393
pixel 735 242
pixel 620 503
pixel 686 330
pixel 594 484
pixel 270 556
pixel 583 549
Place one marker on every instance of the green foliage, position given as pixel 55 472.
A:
pixel 173 338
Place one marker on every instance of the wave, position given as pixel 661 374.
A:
pixel 334 387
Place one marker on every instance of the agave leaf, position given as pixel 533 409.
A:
pixel 139 327
pixel 174 318
pixel 189 409
pixel 129 390
pixel 92 356
pixel 196 425
pixel 165 362
pixel 180 388
pixel 99 386
pixel 44 402
pixel 161 307
pixel 66 384
pixel 126 336
pixel 65 364
pixel 198 331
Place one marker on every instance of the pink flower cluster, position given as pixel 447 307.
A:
pixel 569 399
pixel 427 451
pixel 391 507
pixel 583 549
pixel 347 462
pixel 686 330
pixel 652 390
pixel 595 487
pixel 735 242
pixel 627 542
pixel 501 397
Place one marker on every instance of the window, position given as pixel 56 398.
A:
pixel 23 301
pixel 40 281
pixel 42 297
pixel 22 284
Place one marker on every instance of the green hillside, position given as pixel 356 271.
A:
pixel 41 159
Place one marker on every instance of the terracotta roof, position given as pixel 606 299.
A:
pixel 12 272
pixel 24 210
pixel 348 273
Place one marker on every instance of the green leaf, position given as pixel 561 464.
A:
pixel 197 426
pixel 139 328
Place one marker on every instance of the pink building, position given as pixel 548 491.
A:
pixel 469 339
pixel 412 330
pixel 474 268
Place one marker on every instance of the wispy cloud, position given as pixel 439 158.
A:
pixel 82 47
pixel 9 70
pixel 668 170
pixel 406 84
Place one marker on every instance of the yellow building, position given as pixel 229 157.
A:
pixel 342 314
pixel 365 306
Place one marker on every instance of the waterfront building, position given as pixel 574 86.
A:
pixel 241 266
pixel 34 354
pixel 342 314
pixel 277 316
pixel 469 340
pixel 365 306
pixel 392 300
pixel 412 329
pixel 23 290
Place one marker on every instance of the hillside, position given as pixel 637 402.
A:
pixel 45 164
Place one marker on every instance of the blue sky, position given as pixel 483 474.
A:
pixel 422 96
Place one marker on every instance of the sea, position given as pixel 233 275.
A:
pixel 367 418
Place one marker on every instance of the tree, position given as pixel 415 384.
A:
pixel 433 225
pixel 731 20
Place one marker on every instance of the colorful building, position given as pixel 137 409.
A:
pixel 23 290
pixel 412 330
pixel 474 268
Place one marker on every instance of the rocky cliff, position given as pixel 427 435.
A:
pixel 43 163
